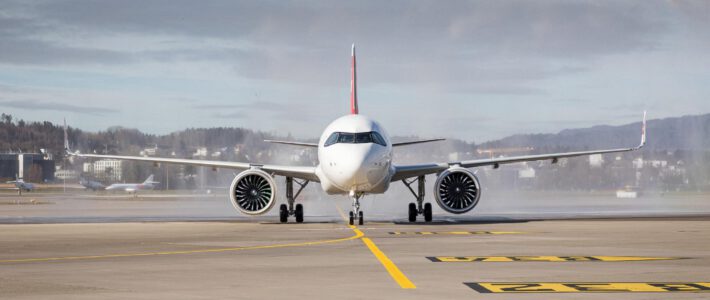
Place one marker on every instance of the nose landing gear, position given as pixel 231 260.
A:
pixel 420 208
pixel 356 213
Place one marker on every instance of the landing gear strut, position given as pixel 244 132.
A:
pixel 420 208
pixel 290 209
pixel 356 213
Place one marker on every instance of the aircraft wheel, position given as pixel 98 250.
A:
pixel 351 219
pixel 299 213
pixel 412 212
pixel 283 213
pixel 360 219
pixel 427 212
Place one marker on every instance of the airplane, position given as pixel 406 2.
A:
pixel 91 185
pixel 356 159
pixel 148 184
pixel 21 185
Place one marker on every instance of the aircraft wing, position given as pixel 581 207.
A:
pixel 301 172
pixel 407 171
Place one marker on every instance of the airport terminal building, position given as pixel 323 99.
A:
pixel 33 167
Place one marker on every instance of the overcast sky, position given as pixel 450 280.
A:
pixel 475 70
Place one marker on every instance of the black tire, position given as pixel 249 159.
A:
pixel 351 219
pixel 412 212
pixel 360 218
pixel 299 213
pixel 283 213
pixel 427 212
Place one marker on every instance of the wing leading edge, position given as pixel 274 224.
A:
pixel 407 171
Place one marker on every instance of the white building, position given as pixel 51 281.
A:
pixel 596 161
pixel 65 174
pixel 526 173
pixel 109 169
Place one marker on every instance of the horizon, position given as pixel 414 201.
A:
pixel 316 137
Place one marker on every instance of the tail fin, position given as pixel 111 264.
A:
pixel 149 179
pixel 353 86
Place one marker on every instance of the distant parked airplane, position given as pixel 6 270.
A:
pixel 92 185
pixel 21 185
pixel 148 184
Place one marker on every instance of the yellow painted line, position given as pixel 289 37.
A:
pixel 358 234
pixel 391 268
pixel 453 232
pixel 396 274
pixel 588 287
pixel 546 258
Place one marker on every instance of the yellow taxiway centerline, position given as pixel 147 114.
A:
pixel 391 268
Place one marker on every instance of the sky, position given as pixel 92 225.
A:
pixel 473 70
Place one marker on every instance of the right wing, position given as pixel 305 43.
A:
pixel 301 172
pixel 407 171
pixel 293 143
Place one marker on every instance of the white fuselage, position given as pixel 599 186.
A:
pixel 355 162
pixel 129 187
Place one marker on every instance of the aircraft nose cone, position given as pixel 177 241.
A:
pixel 352 168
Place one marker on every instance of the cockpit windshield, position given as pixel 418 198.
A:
pixel 355 138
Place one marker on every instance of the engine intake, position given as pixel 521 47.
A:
pixel 457 190
pixel 253 192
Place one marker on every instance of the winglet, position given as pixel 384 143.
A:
pixel 643 132
pixel 67 150
pixel 353 85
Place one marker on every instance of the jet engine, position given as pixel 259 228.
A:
pixel 457 190
pixel 253 192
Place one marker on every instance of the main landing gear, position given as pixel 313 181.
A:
pixel 356 213
pixel 290 210
pixel 418 208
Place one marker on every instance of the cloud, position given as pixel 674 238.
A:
pixel 56 106
pixel 306 42
pixel 299 112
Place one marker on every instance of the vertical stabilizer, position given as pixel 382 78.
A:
pixel 353 85
pixel 149 180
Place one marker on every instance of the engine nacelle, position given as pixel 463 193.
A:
pixel 457 190
pixel 253 192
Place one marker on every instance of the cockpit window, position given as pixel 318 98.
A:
pixel 363 137
pixel 346 138
pixel 378 139
pixel 355 138
pixel 332 139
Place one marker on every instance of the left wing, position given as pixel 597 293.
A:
pixel 407 171
pixel 415 142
